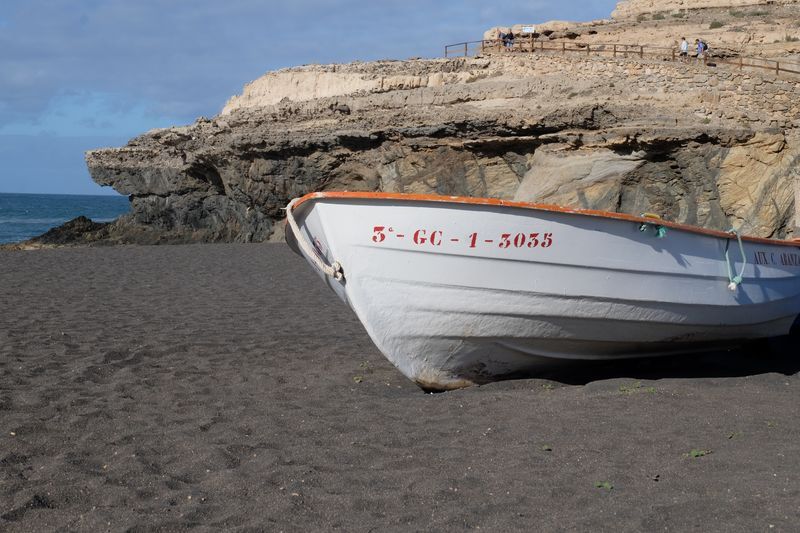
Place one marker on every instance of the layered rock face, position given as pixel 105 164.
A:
pixel 634 8
pixel 751 28
pixel 712 147
pixel 767 29
pixel 716 147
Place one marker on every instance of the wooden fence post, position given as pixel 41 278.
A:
pixel 741 63
pixel 641 51
pixel 466 49
pixel 777 68
pixel 615 50
pixel 588 49
pixel 564 47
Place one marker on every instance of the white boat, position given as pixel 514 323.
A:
pixel 457 291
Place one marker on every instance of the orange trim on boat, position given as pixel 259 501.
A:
pixel 344 195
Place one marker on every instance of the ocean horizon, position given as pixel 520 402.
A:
pixel 26 215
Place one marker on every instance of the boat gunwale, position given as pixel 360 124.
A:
pixel 550 208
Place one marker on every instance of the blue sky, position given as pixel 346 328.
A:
pixel 76 75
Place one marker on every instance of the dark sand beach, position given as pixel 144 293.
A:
pixel 217 387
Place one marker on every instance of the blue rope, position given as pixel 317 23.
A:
pixel 736 280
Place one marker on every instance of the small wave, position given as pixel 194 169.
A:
pixel 32 220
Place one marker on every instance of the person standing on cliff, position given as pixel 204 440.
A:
pixel 509 40
pixel 684 49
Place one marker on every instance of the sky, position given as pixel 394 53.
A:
pixel 82 74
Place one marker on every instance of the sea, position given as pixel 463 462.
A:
pixel 23 216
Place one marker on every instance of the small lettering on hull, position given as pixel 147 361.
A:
pixel 790 259
pixel 772 258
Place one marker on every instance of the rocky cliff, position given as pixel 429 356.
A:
pixel 751 28
pixel 709 146
pixel 636 8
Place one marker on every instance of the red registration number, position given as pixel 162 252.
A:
pixel 435 238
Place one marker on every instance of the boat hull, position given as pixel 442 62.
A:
pixel 457 293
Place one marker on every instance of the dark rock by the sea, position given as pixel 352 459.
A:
pixel 78 229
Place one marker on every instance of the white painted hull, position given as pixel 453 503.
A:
pixel 462 304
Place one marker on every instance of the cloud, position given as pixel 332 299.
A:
pixel 186 57
pixel 121 67
pixel 81 113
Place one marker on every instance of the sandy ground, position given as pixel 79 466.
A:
pixel 223 386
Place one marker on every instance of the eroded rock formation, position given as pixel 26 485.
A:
pixel 715 147
pixel 634 8
pixel 733 28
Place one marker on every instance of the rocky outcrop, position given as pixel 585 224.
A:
pixel 716 147
pixel 734 28
pixel 79 229
pixel 708 147
pixel 634 8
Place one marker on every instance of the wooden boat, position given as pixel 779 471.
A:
pixel 456 291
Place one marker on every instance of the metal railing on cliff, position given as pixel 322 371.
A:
pixel 524 45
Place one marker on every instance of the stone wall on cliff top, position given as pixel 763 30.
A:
pixel 712 147
pixel 628 9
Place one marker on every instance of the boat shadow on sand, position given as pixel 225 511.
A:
pixel 776 355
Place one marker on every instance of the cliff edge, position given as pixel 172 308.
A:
pixel 711 146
